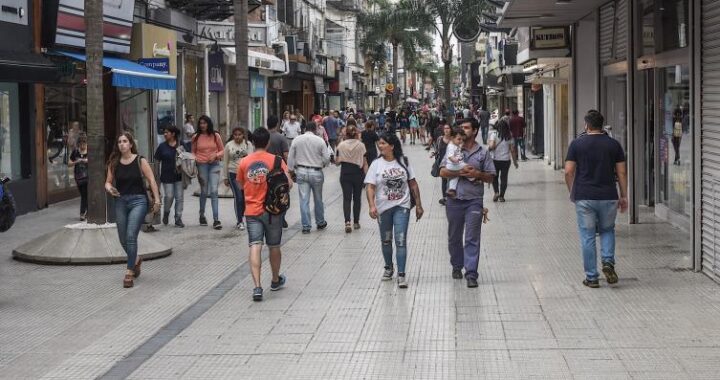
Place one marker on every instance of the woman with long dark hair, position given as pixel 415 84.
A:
pixel 351 156
pixel 236 149
pixel 502 148
pixel 390 181
pixel 208 148
pixel 126 172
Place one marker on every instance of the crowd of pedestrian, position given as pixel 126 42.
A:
pixel 469 150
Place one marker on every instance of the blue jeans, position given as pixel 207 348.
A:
pixel 130 211
pixel 209 178
pixel 520 146
pixel 310 180
pixel 238 195
pixel 173 192
pixel 593 217
pixel 394 223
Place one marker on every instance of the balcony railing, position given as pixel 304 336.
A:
pixel 345 5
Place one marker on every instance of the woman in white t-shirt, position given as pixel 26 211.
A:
pixel 390 181
pixel 502 149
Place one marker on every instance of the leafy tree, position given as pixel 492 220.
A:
pixel 445 16
pixel 396 24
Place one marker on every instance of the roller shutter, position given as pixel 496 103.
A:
pixel 710 138
pixel 607 14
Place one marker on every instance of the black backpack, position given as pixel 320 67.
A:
pixel 277 198
pixel 7 207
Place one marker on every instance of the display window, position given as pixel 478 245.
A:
pixel 9 131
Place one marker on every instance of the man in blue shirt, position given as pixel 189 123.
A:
pixel 331 125
pixel 594 162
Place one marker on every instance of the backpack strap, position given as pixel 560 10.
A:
pixel 278 164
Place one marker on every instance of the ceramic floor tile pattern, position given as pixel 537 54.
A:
pixel 529 318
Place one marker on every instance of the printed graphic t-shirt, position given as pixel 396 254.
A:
pixel 391 184
pixel 252 176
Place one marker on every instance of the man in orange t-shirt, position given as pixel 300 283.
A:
pixel 252 175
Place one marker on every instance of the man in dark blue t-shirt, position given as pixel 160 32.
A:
pixel 594 166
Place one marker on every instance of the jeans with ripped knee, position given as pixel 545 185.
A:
pixel 394 224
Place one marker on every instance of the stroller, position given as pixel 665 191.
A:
pixel 7 206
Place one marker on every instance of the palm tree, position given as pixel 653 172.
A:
pixel 95 115
pixel 445 16
pixel 397 25
pixel 242 73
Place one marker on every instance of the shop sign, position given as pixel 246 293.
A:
pixel 260 63
pixel 216 72
pixel 158 64
pixel 276 84
pixel 257 85
pixel 117 24
pixel 224 33
pixel 156 46
pixel 549 38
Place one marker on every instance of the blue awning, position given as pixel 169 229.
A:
pixel 130 74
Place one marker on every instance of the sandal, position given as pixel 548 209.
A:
pixel 348 227
pixel 485 215
pixel 136 270
pixel 128 281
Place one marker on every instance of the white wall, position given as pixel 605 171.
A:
pixel 586 67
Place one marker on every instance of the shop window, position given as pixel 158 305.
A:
pixel 66 112
pixel 664 25
pixel 9 131
pixel 614 108
pixel 135 117
pixel 674 129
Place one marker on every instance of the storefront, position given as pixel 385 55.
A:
pixel 20 68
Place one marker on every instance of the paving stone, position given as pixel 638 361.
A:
pixel 530 318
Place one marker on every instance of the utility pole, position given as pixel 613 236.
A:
pixel 242 73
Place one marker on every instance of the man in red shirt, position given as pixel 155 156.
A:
pixel 517 128
pixel 252 173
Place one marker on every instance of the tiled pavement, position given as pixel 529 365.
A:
pixel 530 317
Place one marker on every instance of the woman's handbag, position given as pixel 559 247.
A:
pixel 150 215
pixel 435 171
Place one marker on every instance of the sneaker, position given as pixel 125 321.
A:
pixel 179 223
pixel 217 225
pixel 306 231
pixel 591 283
pixel 496 197
pixel 240 226
pixel 501 199
pixel 257 294
pixel 401 281
pixel 274 286
pixel 83 216
pixel 348 228
pixel 356 226
pixel 442 201
pixel 166 218
pixel 388 274
pixel 457 274
pixel 285 225
pixel 610 274
pixel 203 221
pixel 472 283
pixel 322 226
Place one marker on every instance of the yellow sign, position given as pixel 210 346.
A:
pixel 151 41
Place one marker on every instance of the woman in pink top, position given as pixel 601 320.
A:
pixel 208 148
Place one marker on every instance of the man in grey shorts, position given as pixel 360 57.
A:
pixel 252 175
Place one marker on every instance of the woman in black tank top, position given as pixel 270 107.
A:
pixel 125 181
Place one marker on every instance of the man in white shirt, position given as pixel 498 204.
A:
pixel 291 129
pixel 306 160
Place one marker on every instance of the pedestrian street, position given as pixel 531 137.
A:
pixel 191 315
